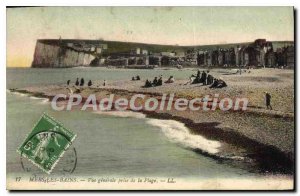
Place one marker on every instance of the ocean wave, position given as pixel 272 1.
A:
pixel 173 130
pixel 33 97
pixel 43 100
pixel 123 114
pixel 179 133
pixel 17 93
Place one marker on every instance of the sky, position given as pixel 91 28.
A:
pixel 158 25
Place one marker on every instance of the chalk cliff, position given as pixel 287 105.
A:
pixel 54 54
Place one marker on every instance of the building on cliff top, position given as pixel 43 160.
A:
pixel 72 53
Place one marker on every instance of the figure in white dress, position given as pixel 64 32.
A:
pixel 45 139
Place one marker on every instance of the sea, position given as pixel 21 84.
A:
pixel 121 144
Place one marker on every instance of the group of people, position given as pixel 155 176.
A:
pixel 158 81
pixel 81 83
pixel 207 79
pixel 155 82
pixel 136 78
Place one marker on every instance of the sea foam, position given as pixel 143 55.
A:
pixel 43 100
pixel 19 94
pixel 175 131
pixel 179 133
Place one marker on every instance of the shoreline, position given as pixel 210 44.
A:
pixel 237 149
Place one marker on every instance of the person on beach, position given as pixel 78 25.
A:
pixel 203 78
pixel 104 83
pixel 198 73
pixel 77 82
pixel 191 79
pixel 218 83
pixel 90 83
pixel 154 83
pixel 70 91
pixel 138 77
pixel 81 82
pixel 268 100
pixel 214 84
pixel 197 79
pixel 147 84
pixel 68 82
pixel 209 79
pixel 170 80
pixel 159 81
pixel 132 79
pixel 221 83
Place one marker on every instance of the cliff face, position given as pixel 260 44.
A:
pixel 75 52
pixel 53 55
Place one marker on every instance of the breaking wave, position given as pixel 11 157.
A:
pixel 17 93
pixel 38 98
pixel 179 133
pixel 43 100
pixel 175 131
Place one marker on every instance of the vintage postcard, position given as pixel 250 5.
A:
pixel 150 98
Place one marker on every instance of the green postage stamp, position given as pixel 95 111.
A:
pixel 46 143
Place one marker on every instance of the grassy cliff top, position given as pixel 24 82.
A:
pixel 119 47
